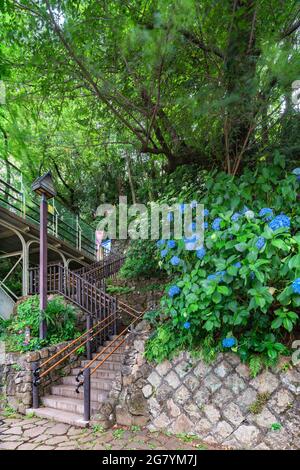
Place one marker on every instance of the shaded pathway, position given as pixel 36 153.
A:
pixel 32 433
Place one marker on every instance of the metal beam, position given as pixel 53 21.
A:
pixel 11 255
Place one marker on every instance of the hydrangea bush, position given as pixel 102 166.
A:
pixel 241 290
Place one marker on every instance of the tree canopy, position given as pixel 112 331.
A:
pixel 113 95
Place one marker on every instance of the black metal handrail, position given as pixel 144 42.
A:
pixel 86 372
pixel 85 340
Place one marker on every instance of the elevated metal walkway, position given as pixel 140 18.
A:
pixel 70 240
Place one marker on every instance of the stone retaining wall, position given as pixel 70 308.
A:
pixel 220 402
pixel 16 375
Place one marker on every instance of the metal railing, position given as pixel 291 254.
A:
pixel 103 312
pixel 74 288
pixel 101 329
pixel 17 197
pixel 86 372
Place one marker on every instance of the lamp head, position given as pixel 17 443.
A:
pixel 44 185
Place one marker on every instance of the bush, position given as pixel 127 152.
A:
pixel 241 290
pixel 141 261
pixel 60 318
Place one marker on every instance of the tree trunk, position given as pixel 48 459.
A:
pixel 240 68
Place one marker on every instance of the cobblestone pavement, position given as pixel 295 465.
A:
pixel 24 433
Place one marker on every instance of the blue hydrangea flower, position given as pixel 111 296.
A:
pixel 174 290
pixel 296 286
pixel 249 215
pixel 298 178
pixel 261 241
pixel 164 253
pixel 216 223
pixel 170 216
pixel 201 252
pixel 206 212
pixel 160 243
pixel 193 239
pixel 171 244
pixel 238 264
pixel 296 171
pixel 244 210
pixel 221 274
pixel 205 225
pixel 228 342
pixel 280 221
pixel 235 216
pixel 218 276
pixel 266 213
pixel 186 325
pixel 175 261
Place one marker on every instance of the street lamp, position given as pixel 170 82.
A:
pixel 43 186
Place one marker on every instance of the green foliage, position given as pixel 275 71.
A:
pixel 141 261
pixel 135 428
pixel 119 290
pixel 276 426
pixel 118 433
pixel 98 428
pixel 14 281
pixel 261 400
pixel 164 92
pixel 60 318
pixel 153 317
pixel 252 301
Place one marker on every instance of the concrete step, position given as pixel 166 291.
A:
pixel 96 383
pixel 109 343
pixel 107 365
pixel 72 405
pixel 100 373
pixel 109 349
pixel 59 416
pixel 115 357
pixel 69 391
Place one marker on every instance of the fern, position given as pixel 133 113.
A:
pixel 255 365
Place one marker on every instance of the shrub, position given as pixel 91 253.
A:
pixel 241 290
pixel 60 318
pixel 141 261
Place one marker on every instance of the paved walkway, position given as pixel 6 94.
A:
pixel 31 433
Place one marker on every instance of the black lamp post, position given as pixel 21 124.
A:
pixel 43 186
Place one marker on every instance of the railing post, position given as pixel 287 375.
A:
pixel 35 385
pixel 115 316
pixel 89 324
pixel 87 394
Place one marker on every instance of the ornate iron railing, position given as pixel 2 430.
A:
pixel 18 198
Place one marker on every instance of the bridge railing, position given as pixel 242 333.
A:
pixel 18 198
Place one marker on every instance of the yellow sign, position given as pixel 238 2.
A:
pixel 50 209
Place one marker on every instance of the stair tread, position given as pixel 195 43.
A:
pixel 95 363
pixel 74 401
pixel 59 415
pixel 105 374
pixel 93 379
pixel 72 388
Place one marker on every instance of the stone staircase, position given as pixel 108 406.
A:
pixel 65 405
